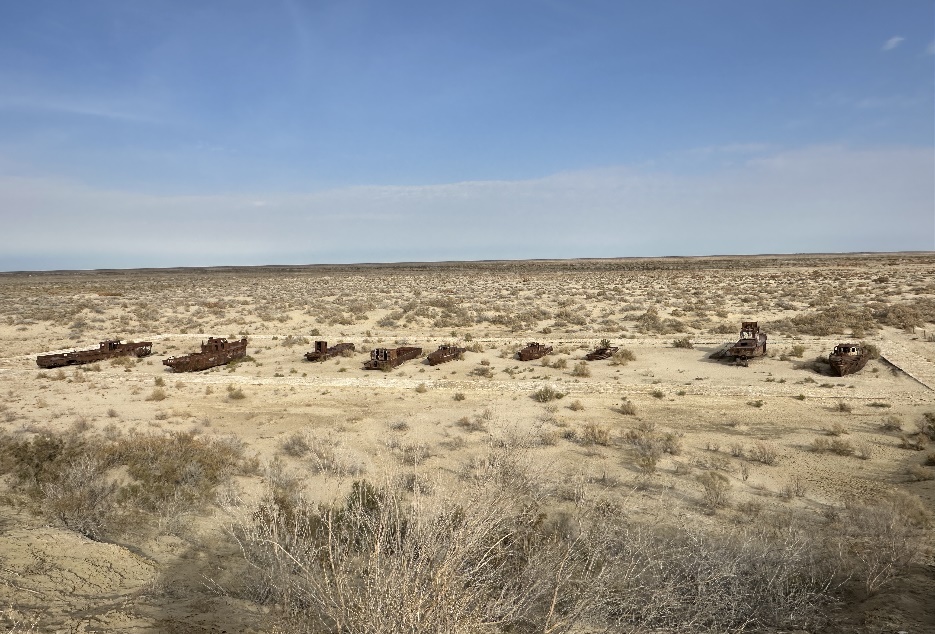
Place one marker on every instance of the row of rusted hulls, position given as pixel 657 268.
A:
pixel 847 358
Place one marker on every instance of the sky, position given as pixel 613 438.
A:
pixel 225 132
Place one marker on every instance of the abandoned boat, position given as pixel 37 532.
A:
pixel 322 351
pixel 217 351
pixel 848 358
pixel 107 350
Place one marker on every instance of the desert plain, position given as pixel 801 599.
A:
pixel 660 490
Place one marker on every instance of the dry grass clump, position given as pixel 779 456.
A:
pixel 581 369
pixel 492 560
pixel 684 343
pixel 622 357
pixel 594 434
pixel 883 538
pixel 69 478
pixel 158 394
pixel 716 489
pixel 892 423
pixel 627 407
pixel 472 424
pixel 235 393
pixel 546 393
pixel 764 453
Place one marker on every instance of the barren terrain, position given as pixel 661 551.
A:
pixel 101 531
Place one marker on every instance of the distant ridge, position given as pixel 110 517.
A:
pixel 626 262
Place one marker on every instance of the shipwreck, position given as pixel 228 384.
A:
pixel 389 358
pixel 107 350
pixel 534 350
pixel 752 343
pixel 848 358
pixel 445 353
pixel 322 351
pixel 216 351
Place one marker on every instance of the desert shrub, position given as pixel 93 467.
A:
pixel 595 434
pixel 422 388
pixel 158 394
pixel 892 423
pixel 374 564
pixel 716 488
pixel 841 447
pixel 559 364
pixel 648 453
pixel 843 407
pixel 757 403
pixel 798 351
pixel 684 342
pixel 472 424
pixel 883 538
pixel 821 445
pixel 622 357
pixel 581 369
pixel 837 429
pixel 296 445
pixel 627 407
pixel 68 476
pixel 329 456
pixel 671 443
pixel 576 406
pixel 459 396
pixel 915 442
pixel 291 340
pixel 764 452
pixel 918 473
pixel 657 394
pixel 546 393
pixel 872 350
pixel 483 371
pixel 80 497
pixel 926 426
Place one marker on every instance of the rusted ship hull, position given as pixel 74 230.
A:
pixel 389 358
pixel 214 353
pixel 534 351
pixel 107 350
pixel 752 343
pixel 601 353
pixel 746 349
pixel 445 354
pixel 322 351
pixel 848 358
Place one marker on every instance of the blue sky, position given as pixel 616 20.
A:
pixel 386 131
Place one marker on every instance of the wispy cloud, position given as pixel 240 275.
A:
pixel 893 42
pixel 77 106
pixel 817 198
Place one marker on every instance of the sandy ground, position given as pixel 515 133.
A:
pixel 721 412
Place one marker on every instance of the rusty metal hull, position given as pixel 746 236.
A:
pixel 322 351
pixel 848 358
pixel 389 358
pixel 217 351
pixel 533 351
pixel 601 353
pixel 444 354
pixel 109 349
pixel 752 343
